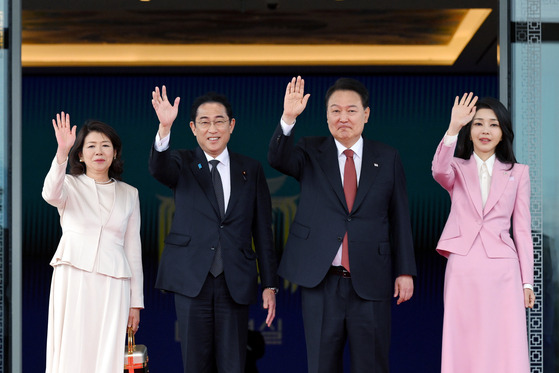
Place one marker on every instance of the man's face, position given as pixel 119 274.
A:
pixel 212 128
pixel 346 116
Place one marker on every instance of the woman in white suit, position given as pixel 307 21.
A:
pixel 97 283
pixel 489 274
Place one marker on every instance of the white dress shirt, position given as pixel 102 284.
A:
pixel 484 180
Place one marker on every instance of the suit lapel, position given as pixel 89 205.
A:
pixel 118 201
pixel 93 201
pixel 471 179
pixel 200 170
pixel 370 166
pixel 328 161
pixel 499 180
pixel 238 179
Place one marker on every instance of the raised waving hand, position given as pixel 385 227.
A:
pixel 463 112
pixel 166 113
pixel 295 100
pixel 65 136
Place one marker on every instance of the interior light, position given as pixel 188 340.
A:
pixel 255 54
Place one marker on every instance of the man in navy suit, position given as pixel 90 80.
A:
pixel 350 245
pixel 222 205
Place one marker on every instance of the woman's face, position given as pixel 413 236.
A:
pixel 97 154
pixel 485 133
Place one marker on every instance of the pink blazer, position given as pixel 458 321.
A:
pixel 509 196
pixel 116 244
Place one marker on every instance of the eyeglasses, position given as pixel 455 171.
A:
pixel 219 124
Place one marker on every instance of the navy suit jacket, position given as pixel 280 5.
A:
pixel 197 226
pixel 379 230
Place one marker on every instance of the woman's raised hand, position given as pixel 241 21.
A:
pixel 463 112
pixel 65 135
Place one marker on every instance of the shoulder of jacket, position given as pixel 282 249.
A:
pixel 462 161
pixel 81 178
pixel 380 146
pixel 126 186
pixel 313 141
pixel 521 168
pixel 189 153
pixel 245 160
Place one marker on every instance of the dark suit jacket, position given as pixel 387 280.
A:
pixel 379 230
pixel 197 227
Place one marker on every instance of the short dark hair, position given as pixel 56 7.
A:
pixel 348 84
pixel 504 150
pixel 207 98
pixel 77 167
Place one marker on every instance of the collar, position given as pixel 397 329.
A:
pixel 92 180
pixel 222 158
pixel 357 147
pixel 490 162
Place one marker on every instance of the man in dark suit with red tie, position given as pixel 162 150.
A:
pixel 350 245
pixel 222 206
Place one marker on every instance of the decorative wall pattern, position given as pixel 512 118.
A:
pixel 528 35
pixel 4 183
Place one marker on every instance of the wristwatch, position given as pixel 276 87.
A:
pixel 275 290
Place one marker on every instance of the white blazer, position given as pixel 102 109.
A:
pixel 116 243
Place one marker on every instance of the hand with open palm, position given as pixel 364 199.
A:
pixel 463 112
pixel 295 100
pixel 65 136
pixel 166 113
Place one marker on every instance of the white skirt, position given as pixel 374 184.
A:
pixel 88 316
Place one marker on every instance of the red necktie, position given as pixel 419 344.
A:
pixel 350 190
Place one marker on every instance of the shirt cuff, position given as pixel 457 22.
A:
pixel 287 128
pixel 161 144
pixel 528 286
pixel 449 140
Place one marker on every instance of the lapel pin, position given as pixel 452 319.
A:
pixel 199 166
pixel 245 175
pixel 375 164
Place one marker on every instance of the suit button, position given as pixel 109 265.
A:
pixel 340 239
pixel 212 248
pixel 221 226
pixel 349 218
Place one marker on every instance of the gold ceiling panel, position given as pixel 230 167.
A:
pixel 398 37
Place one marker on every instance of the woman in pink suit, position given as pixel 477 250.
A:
pixel 97 281
pixel 489 275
